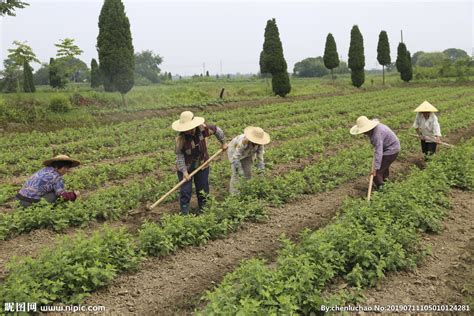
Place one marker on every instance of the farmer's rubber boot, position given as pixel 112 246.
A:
pixel 184 209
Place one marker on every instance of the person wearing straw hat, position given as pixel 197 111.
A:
pixel 386 146
pixel 243 150
pixel 48 182
pixel 427 128
pixel 191 152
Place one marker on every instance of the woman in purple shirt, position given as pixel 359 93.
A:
pixel 48 182
pixel 386 146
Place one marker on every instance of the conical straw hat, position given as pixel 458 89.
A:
pixel 426 107
pixel 74 162
pixel 187 121
pixel 363 124
pixel 256 135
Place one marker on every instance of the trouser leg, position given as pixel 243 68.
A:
pixel 424 148
pixel 430 148
pixel 234 181
pixel 185 194
pixel 247 167
pixel 50 197
pixel 201 181
pixel 383 173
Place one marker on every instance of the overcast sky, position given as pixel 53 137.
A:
pixel 227 36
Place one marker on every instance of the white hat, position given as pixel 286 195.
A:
pixel 426 107
pixel 256 135
pixel 363 125
pixel 74 162
pixel 187 121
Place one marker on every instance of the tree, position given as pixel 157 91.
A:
pixel 146 65
pixel 455 54
pixel 281 83
pixel 115 48
pixel 407 75
pixel 170 76
pixel 8 7
pixel 383 53
pixel 66 52
pixel 96 79
pixel 28 84
pixel 56 79
pixel 415 56
pixel 331 58
pixel 433 59
pixel 403 63
pixel 356 57
pixel 41 76
pixel 272 60
pixel 20 55
pixel 12 77
pixel 207 73
pixel 310 67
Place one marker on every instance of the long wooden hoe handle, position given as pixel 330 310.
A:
pixel 371 180
pixel 433 140
pixel 205 164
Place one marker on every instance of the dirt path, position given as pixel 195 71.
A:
pixel 442 276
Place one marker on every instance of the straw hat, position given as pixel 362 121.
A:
pixel 74 162
pixel 363 125
pixel 187 121
pixel 426 107
pixel 256 135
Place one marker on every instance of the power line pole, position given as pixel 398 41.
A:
pixel 401 35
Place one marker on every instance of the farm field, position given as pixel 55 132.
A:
pixel 101 248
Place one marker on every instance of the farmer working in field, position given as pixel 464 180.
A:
pixel 386 146
pixel 48 182
pixel 191 152
pixel 427 128
pixel 243 149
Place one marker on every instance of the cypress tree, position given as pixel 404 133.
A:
pixel 331 58
pixel 26 77
pixel 272 60
pixel 115 48
pixel 55 80
pixel 356 57
pixel 383 53
pixel 407 74
pixel 281 83
pixel 52 74
pixel 170 76
pixel 403 63
pixel 95 74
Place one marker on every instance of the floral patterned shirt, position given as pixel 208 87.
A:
pixel 44 181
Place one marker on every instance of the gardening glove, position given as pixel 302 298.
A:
pixel 237 167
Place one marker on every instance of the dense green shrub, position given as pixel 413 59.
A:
pixel 59 104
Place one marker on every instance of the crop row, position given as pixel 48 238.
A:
pixel 158 139
pixel 113 202
pixel 360 246
pixel 157 136
pixel 75 267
